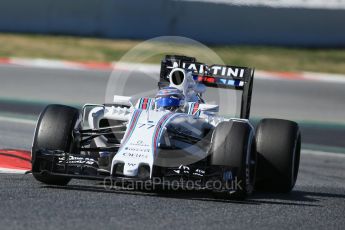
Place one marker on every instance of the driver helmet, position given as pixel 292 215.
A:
pixel 169 98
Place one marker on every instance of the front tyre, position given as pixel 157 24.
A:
pixel 232 147
pixel 278 144
pixel 53 132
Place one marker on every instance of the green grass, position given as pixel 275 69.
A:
pixel 106 50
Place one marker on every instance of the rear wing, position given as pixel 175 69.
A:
pixel 216 76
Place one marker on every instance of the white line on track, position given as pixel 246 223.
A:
pixel 321 153
pixel 18 120
pixel 12 171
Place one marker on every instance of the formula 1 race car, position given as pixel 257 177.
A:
pixel 175 138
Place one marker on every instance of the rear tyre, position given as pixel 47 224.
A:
pixel 232 144
pixel 53 132
pixel 278 144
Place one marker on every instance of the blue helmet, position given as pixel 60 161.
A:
pixel 169 98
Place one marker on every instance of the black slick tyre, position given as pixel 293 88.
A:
pixel 278 145
pixel 232 146
pixel 53 132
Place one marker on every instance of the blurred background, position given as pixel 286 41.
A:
pixel 311 23
pixel 286 35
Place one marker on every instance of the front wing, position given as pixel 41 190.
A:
pixel 198 176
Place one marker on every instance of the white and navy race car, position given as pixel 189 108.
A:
pixel 175 138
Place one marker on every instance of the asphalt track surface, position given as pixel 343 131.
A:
pixel 317 201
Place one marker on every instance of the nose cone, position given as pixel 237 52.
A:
pixel 130 169
pixel 142 171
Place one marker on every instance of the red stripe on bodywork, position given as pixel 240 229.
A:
pixel 196 107
pixel 145 103
pixel 132 126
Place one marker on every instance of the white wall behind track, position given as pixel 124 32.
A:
pixel 210 22
pixel 313 4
